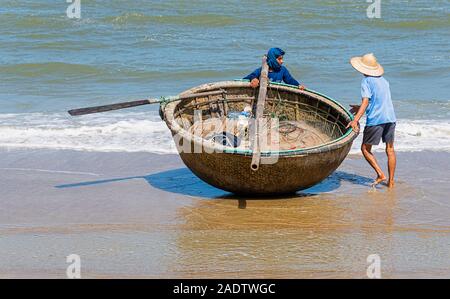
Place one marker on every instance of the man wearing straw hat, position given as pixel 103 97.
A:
pixel 380 123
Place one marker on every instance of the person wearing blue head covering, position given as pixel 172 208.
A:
pixel 272 57
pixel 277 72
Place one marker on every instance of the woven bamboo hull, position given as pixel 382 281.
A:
pixel 231 171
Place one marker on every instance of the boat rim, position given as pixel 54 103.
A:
pixel 169 107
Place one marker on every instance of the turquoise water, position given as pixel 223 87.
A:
pixel 125 50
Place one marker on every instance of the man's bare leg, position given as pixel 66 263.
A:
pixel 392 162
pixel 367 152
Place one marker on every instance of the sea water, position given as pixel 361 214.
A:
pixel 126 50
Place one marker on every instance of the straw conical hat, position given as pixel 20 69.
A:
pixel 368 65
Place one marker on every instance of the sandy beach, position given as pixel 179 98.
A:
pixel 146 215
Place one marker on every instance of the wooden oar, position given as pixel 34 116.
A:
pixel 104 108
pixel 263 82
pixel 117 106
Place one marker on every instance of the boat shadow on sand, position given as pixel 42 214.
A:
pixel 183 181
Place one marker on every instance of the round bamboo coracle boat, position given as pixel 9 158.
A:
pixel 304 133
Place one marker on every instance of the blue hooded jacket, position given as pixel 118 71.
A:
pixel 278 72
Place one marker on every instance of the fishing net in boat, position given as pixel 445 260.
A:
pixel 276 135
pixel 290 121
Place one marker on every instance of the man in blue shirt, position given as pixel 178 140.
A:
pixel 277 72
pixel 381 120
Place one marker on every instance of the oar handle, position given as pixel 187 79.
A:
pixel 261 101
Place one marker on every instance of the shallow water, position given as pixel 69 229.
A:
pixel 143 215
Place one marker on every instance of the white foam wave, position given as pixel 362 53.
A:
pixel 416 135
pixel 145 132
pixel 129 132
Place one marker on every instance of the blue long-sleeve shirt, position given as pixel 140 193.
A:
pixel 282 76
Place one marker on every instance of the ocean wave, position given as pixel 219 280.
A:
pixel 416 135
pixel 104 73
pixel 36 21
pixel 421 24
pixel 185 20
pixel 48 68
pixel 135 132
pixel 145 132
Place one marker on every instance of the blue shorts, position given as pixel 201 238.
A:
pixel 373 134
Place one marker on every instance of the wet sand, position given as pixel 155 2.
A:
pixel 145 215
